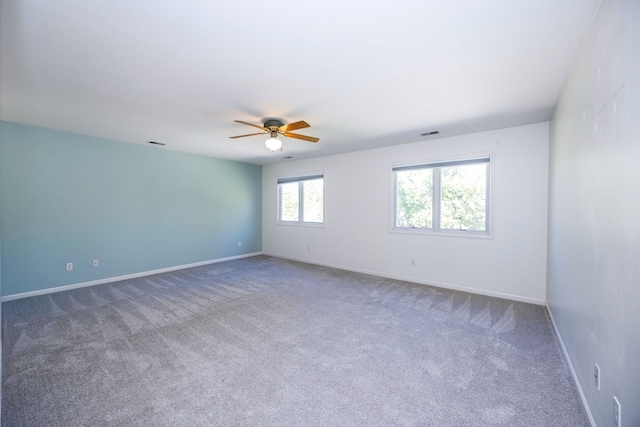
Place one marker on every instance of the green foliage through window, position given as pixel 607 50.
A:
pixel 301 200
pixel 443 196
pixel 313 191
pixel 289 201
pixel 463 197
pixel 414 198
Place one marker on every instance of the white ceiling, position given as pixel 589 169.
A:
pixel 364 74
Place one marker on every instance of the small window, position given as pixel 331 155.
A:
pixel 301 200
pixel 443 197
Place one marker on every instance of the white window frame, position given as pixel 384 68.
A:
pixel 300 179
pixel 436 165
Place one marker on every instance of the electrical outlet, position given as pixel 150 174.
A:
pixel 95 263
pixel 239 243
pixel 413 262
pixel 596 376
pixel 69 266
pixel 617 412
pixel 309 247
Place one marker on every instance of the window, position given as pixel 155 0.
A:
pixel 301 200
pixel 443 197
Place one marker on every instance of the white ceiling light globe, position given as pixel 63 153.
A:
pixel 273 144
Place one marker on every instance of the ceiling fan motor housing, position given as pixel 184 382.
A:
pixel 271 123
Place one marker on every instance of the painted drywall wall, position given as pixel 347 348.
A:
pixel 594 212
pixel 356 234
pixel 1 328
pixel 73 198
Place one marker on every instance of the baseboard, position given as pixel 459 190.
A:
pixel 125 277
pixel 573 371
pixel 414 280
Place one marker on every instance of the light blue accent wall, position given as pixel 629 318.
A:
pixel 1 328
pixel 73 198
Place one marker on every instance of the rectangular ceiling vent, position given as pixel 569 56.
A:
pixel 435 132
pixel 156 143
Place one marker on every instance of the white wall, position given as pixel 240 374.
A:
pixel 594 213
pixel 357 236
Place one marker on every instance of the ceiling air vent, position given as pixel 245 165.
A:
pixel 156 143
pixel 435 132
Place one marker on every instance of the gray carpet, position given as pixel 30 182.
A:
pixel 270 342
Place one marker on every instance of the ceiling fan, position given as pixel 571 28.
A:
pixel 273 127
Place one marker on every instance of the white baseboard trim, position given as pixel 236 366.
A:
pixel 125 277
pixel 573 371
pixel 414 280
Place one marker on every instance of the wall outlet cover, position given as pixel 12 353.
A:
pixel 617 412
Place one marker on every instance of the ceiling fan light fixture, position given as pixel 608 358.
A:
pixel 274 143
pixel 273 128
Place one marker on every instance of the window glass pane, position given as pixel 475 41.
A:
pixel 414 197
pixel 463 194
pixel 312 204
pixel 289 201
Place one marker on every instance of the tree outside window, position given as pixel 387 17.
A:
pixel 301 200
pixel 446 196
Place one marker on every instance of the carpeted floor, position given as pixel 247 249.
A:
pixel 270 342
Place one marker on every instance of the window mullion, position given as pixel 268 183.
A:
pixel 436 199
pixel 300 202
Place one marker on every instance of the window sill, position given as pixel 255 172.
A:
pixel 443 233
pixel 302 224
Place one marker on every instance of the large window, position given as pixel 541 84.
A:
pixel 301 200
pixel 443 197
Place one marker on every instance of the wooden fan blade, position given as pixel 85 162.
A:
pixel 251 124
pixel 293 126
pixel 298 136
pixel 251 134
